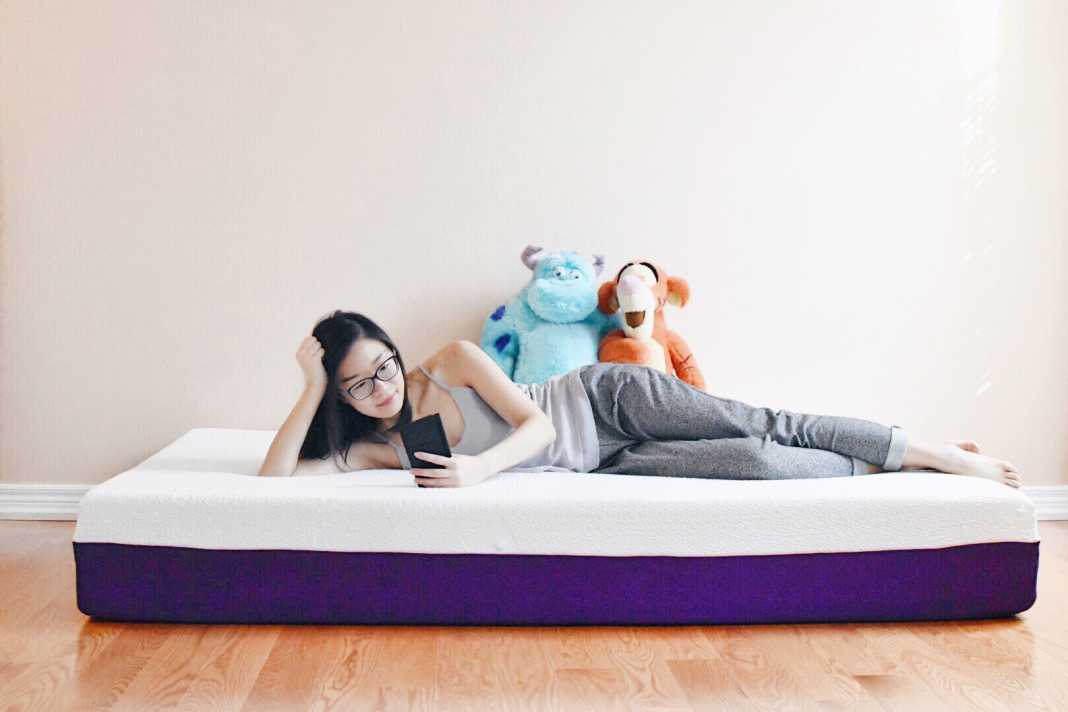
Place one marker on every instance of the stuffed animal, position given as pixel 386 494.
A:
pixel 640 291
pixel 553 325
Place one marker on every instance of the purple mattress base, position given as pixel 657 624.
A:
pixel 177 584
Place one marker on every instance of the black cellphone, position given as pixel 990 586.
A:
pixel 426 434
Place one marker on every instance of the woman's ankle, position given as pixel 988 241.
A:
pixel 924 454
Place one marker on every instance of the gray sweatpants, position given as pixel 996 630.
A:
pixel 650 423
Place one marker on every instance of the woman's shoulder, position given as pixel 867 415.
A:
pixel 452 363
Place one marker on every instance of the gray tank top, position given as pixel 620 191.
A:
pixel 563 398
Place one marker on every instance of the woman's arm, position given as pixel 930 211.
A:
pixel 361 456
pixel 529 437
pixel 281 459
pixel 466 364
pixel 282 456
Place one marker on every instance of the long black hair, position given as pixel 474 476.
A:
pixel 336 424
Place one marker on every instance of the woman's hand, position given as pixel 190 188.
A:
pixel 460 470
pixel 310 357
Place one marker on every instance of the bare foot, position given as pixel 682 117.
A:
pixel 969 445
pixel 956 460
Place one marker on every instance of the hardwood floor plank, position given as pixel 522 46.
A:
pixel 47 658
pixel 950 681
pixel 31 579
pixel 465 675
pixel 590 688
pixel 776 665
pixel 708 684
pixel 650 682
pixel 524 674
pixel 104 670
pixel 307 665
pixel 226 678
pixel 583 675
pixel 164 680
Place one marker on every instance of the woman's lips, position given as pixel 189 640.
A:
pixel 387 401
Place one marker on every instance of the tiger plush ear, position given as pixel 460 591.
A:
pixel 531 255
pixel 606 298
pixel 678 291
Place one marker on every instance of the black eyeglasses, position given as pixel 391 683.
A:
pixel 365 387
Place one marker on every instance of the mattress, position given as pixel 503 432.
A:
pixel 191 534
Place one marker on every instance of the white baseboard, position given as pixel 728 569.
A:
pixel 30 501
pixel 1051 501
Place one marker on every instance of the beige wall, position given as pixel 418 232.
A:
pixel 868 198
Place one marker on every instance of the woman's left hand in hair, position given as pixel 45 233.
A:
pixel 459 470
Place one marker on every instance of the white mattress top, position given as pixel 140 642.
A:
pixel 202 491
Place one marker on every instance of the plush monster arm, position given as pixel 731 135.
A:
pixel 605 323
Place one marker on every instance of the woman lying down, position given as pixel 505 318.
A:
pixel 604 417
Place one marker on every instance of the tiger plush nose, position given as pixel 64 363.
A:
pixel 629 286
pixel 634 295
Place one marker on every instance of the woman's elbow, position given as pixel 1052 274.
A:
pixel 550 431
pixel 269 470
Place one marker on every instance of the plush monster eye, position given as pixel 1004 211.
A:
pixel 576 275
pixel 559 272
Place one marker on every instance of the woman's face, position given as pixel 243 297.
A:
pixel 367 358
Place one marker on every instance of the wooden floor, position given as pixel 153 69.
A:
pixel 54 658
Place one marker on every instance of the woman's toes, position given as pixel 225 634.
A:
pixel 1012 478
pixel 965 462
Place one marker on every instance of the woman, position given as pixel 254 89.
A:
pixel 603 417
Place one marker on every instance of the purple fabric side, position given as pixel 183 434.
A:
pixel 162 583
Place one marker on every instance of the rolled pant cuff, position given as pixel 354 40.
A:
pixel 895 457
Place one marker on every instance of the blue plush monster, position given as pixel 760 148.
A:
pixel 553 325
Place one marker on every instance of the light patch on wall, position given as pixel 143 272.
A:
pixel 979 50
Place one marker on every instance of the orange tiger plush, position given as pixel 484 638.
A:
pixel 641 289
